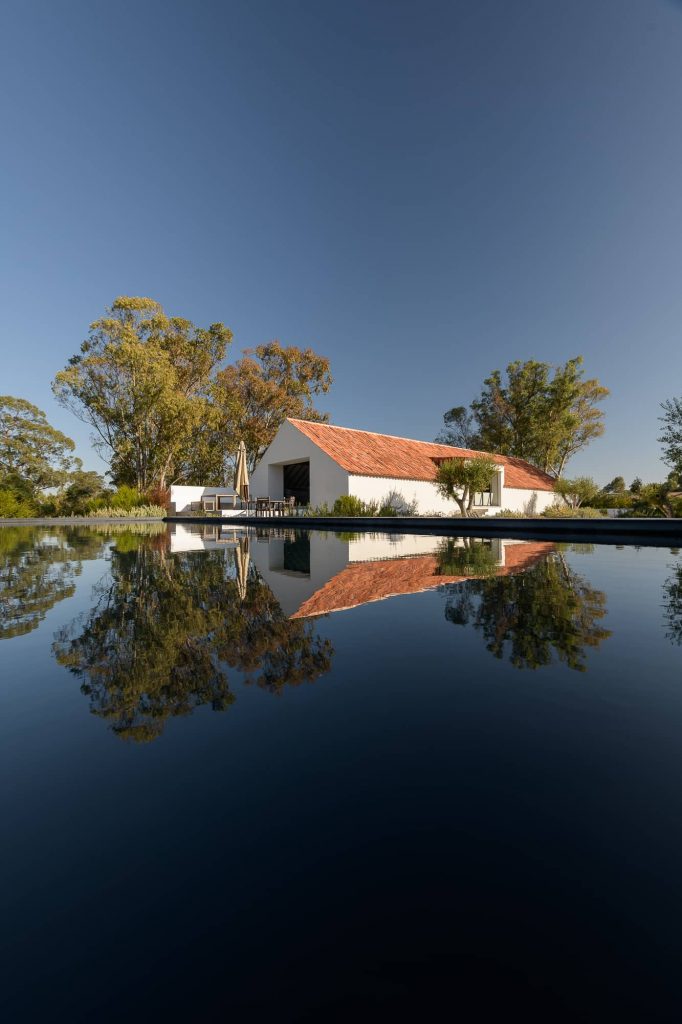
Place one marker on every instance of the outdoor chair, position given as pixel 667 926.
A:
pixel 262 506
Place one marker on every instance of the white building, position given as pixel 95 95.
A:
pixel 317 463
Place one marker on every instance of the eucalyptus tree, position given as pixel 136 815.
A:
pixel 141 381
pixel 33 454
pixel 540 413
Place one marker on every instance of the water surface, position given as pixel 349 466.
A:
pixel 325 777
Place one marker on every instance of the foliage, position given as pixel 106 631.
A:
pixel 545 612
pixel 671 434
pixel 136 512
pixel 537 416
pixel 14 506
pixel 396 504
pixel 612 500
pixel 579 491
pixel 466 556
pixel 616 486
pixel 164 630
pixel 461 479
pixel 33 454
pixel 253 397
pixel 349 505
pixel 568 512
pixel 140 381
pixel 654 500
pixel 636 485
pixel 84 488
pixel 459 429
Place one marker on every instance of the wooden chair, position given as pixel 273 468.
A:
pixel 263 507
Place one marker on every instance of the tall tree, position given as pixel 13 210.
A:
pixel 615 486
pixel 33 454
pixel 141 382
pixel 671 434
pixel 537 415
pixel 462 479
pixel 254 396
pixel 459 429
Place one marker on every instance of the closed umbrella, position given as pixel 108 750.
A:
pixel 241 474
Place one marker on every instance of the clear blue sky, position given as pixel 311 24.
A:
pixel 421 191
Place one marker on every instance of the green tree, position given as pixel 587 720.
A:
pixel 462 479
pixel 254 396
pixel 84 487
pixel 535 415
pixel 654 500
pixel 671 434
pixel 459 429
pixel 636 485
pixel 616 486
pixel 141 381
pixel 33 454
pixel 547 611
pixel 582 490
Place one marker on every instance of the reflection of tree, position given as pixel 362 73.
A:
pixel 162 631
pixel 546 611
pixel 467 556
pixel 672 616
pixel 38 568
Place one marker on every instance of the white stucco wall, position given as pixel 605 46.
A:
pixel 373 488
pixel 516 499
pixel 327 480
pixel 183 496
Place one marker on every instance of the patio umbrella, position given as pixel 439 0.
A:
pixel 241 473
pixel 241 558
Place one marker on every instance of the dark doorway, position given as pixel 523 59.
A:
pixel 297 482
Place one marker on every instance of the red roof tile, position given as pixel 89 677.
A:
pixel 363 582
pixel 367 454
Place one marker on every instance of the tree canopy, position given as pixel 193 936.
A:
pixel 33 454
pixel 540 413
pixel 671 434
pixel 164 408
pixel 140 381
pixel 580 491
pixel 256 394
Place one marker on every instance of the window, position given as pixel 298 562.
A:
pixel 483 497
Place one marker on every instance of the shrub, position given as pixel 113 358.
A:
pixel 564 512
pixel 399 505
pixel 12 506
pixel 137 512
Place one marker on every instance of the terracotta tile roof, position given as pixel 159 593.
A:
pixel 363 582
pixel 368 454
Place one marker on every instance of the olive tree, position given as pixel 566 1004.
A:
pixel 461 479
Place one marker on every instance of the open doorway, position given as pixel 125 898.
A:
pixel 296 480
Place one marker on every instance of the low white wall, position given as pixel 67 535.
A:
pixel 184 496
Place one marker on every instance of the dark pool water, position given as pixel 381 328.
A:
pixel 289 776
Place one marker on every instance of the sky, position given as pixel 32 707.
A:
pixel 421 191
